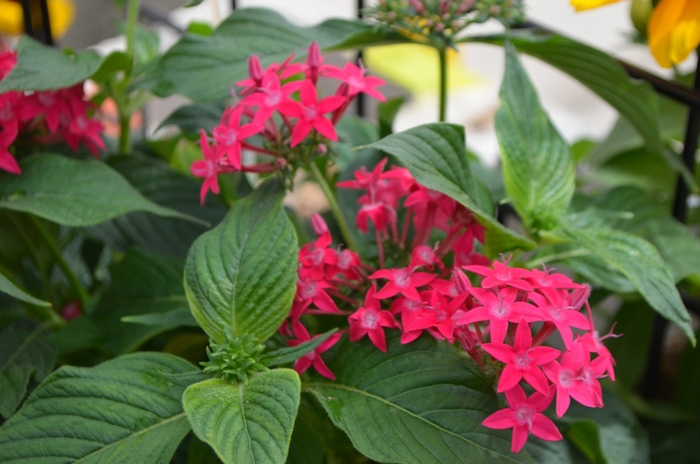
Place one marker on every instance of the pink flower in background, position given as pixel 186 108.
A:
pixel 310 113
pixel 230 136
pixel 502 274
pixel 357 81
pixel 553 308
pixel 402 281
pixel 314 357
pixel 269 95
pixel 206 168
pixel 370 320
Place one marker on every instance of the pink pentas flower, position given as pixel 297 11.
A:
pixel 313 358
pixel 256 73
pixel 8 60
pixel 85 130
pixel 402 281
pixel 502 274
pixel 521 360
pixel 313 67
pixel 570 382
pixel 358 82
pixel 229 136
pixel 547 279
pixel 552 307
pixel 206 168
pixel 370 320
pixel 524 416
pixel 605 363
pixel 438 315
pixel 315 256
pixel 346 264
pixel 423 255
pixel 310 113
pixel 381 215
pixel 464 254
pixel 314 291
pixel 463 217
pixel 499 309
pixel 269 95
pixel 47 103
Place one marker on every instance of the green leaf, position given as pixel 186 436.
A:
pixel 168 188
pixel 287 355
pixel 641 263
pixel 436 156
pixel 688 382
pixel 41 67
pixel 241 275
pixel 307 445
pixel 192 118
pixel 420 403
pixel 247 422
pixel 537 165
pixel 74 192
pixel 221 59
pixel 174 318
pixel 635 100
pixel 635 320
pixel 15 291
pixel 142 283
pixel 549 452
pixel 123 411
pixel 113 63
pixel 24 354
pixel 386 112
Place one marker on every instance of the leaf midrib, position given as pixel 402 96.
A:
pixel 310 386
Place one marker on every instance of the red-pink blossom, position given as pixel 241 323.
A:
pixel 381 215
pixel 314 291
pixel 437 316
pixel 552 307
pixel 402 281
pixel 357 81
pixel 502 274
pixel 230 135
pixel 206 168
pixel 524 416
pixel 310 113
pixel 269 95
pixel 313 358
pixel 464 254
pixel 370 320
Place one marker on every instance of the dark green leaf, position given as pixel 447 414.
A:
pixel 24 354
pixel 247 422
pixel 15 291
pixel 387 112
pixel 114 62
pixel 142 283
pixel 74 192
pixel 537 165
pixel 549 452
pixel 241 275
pixel 205 68
pixel 641 263
pixel 192 118
pixel 635 320
pixel 174 318
pixel 41 67
pixel 165 187
pixel 420 403
pixel 307 445
pixel 287 355
pixel 688 382
pixel 126 410
pixel 201 453
pixel 436 156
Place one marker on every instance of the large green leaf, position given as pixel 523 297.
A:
pixel 246 422
pixel 142 283
pixel 641 263
pixel 192 118
pixel 420 403
pixel 123 411
pixel 537 165
pixel 24 354
pixel 242 274
pixel 40 67
pixel 635 100
pixel 205 68
pixel 635 320
pixel 166 187
pixel 74 192
pixel 15 291
pixel 436 156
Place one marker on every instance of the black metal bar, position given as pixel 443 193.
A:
pixel 680 212
pixel 46 22
pixel 36 20
pixel 27 16
pixel 153 14
pixel 361 100
pixel 233 4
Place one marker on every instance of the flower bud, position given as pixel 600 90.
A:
pixel 255 69
pixel 640 12
pixel 315 59
pixel 579 296
pixel 460 281
pixel 444 7
pixel 420 9
pixel 322 148
pixel 319 225
pixel 71 310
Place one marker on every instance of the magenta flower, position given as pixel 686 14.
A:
pixel 502 274
pixel 402 281
pixel 313 291
pixel 464 254
pixel 423 255
pixel 524 416
pixel 553 308
pixel 230 136
pixel 604 363
pixel 310 113
pixel 314 357
pixel 313 67
pixel 545 279
pixel 522 360
pixel 206 168
pixel 269 96
pixel 499 309
pixel 381 215
pixel 370 321
pixel 438 316
pixel 354 76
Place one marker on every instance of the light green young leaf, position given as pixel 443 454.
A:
pixel 15 291
pixel 641 263
pixel 537 165
pixel 436 156
pixel 74 192
pixel 421 403
pixel 24 354
pixel 173 318
pixel 241 275
pixel 287 355
pixel 246 422
pixel 123 411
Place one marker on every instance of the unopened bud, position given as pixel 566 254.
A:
pixel 255 69
pixel 579 296
pixel 71 311
pixel 322 148
pixel 315 59
pixel 444 6
pixel 466 6
pixel 319 225
pixel 420 9
pixel 460 281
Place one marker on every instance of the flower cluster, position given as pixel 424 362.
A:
pixel 269 121
pixel 439 21
pixel 417 286
pixel 45 117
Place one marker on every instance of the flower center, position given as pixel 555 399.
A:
pixel 316 257
pixel 310 113
pixel 500 310
pixel 402 279
pixel 273 98
pixel 370 319
pixel 523 415
pixel 344 261
pixel 355 82
pixel 567 378
pixel 226 135
pixel 555 313
pixel 522 360
pixel 308 289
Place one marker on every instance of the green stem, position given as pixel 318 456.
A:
pixel 442 52
pixel 132 18
pixel 58 256
pixel 124 133
pixel 335 208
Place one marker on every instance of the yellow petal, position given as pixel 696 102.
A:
pixel 11 22
pixel 674 30
pixel 581 5
pixel 61 13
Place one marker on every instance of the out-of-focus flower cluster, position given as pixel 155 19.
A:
pixel 501 317
pixel 44 117
pixel 439 21
pixel 269 121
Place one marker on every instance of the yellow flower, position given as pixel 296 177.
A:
pixel 674 30
pixel 61 13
